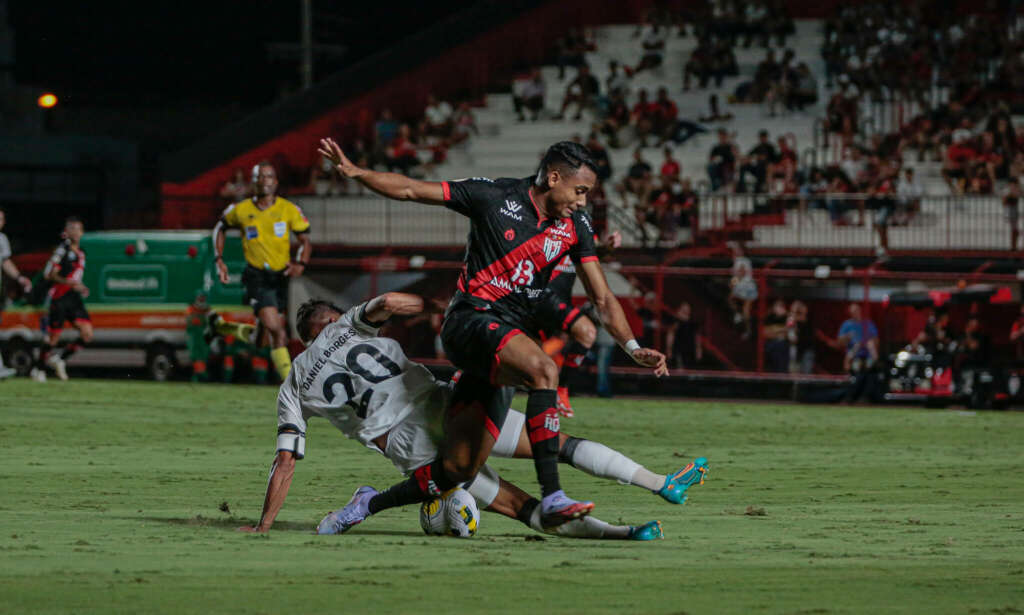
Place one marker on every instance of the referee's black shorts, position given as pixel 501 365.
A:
pixel 265 289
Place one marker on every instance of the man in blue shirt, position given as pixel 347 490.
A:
pixel 861 339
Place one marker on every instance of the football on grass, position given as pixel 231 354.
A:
pixel 455 513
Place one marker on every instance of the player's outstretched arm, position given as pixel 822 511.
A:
pixel 391 185
pixel 614 318
pixel 281 473
pixel 382 307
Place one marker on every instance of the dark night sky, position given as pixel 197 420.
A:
pixel 158 53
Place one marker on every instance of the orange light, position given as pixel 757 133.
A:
pixel 47 101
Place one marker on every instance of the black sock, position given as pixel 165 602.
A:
pixel 526 511
pixel 44 351
pixel 542 428
pixel 574 354
pixel 426 482
pixel 69 350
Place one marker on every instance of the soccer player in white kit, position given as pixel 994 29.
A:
pixel 366 387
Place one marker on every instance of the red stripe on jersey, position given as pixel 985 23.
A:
pixel 587 259
pixel 531 250
pixel 446 190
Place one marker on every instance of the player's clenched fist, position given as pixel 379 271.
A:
pixel 648 357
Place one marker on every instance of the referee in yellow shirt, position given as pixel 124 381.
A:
pixel 267 221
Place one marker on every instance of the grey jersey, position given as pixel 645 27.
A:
pixel 5 253
pixel 363 384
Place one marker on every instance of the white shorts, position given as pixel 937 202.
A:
pixel 413 443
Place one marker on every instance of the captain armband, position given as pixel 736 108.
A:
pixel 290 439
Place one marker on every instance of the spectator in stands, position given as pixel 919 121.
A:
pixel 638 181
pixel 617 83
pixel 722 161
pixel 670 168
pixel 600 156
pixel 643 116
pixel 937 338
pixel 812 190
pixel 529 94
pixel 974 347
pixel 401 154
pixel 664 119
pixel 786 162
pixel 858 337
pixel 570 50
pixel 758 164
pixel 617 117
pixel 776 338
pixel 743 289
pixel 463 124
pixel 700 65
pixel 682 344
pixel 801 339
pixel 959 159
pixel 385 130
pixel 805 89
pixel 438 114
pixel 881 199
pixel 910 192
pixel 582 91
pixel 653 49
pixel 237 189
pixel 837 206
pixel 755 23
pixel 1011 205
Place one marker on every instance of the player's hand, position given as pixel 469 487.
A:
pixel 222 272
pixel 81 289
pixel 648 357
pixel 25 283
pixel 294 270
pixel 332 151
pixel 253 529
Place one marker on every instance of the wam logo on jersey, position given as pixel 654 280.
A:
pixel 552 248
pixel 511 209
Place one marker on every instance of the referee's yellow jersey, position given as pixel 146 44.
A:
pixel 265 232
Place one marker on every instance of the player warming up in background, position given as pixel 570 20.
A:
pixel 366 386
pixel 267 222
pixel 520 230
pixel 65 270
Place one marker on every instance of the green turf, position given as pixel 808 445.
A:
pixel 111 497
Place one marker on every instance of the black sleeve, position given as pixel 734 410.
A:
pixel 584 249
pixel 469 197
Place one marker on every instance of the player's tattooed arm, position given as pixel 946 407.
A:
pixel 607 304
pixel 281 473
pixel 391 185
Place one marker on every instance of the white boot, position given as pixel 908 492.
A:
pixel 58 366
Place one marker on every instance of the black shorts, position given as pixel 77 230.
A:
pixel 553 314
pixel 265 289
pixel 68 308
pixel 472 339
pixel 492 401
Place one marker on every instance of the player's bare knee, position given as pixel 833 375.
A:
pixel 584 332
pixel 543 373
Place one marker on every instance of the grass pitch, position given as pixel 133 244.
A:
pixel 125 497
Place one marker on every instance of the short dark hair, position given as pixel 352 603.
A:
pixel 567 155
pixel 310 310
pixel 72 220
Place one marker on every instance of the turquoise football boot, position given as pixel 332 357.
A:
pixel 676 484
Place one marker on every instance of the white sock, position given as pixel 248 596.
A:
pixel 587 527
pixel 597 459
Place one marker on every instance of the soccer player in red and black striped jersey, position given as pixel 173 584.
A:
pixel 65 270
pixel 521 229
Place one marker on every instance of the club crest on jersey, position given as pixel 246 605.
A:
pixel 511 209
pixel 552 248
